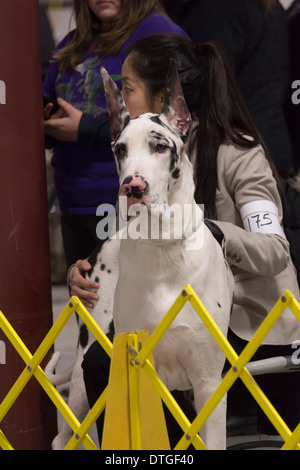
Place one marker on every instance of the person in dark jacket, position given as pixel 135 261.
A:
pixel 292 221
pixel 254 37
pixel 293 101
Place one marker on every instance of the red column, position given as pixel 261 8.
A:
pixel 25 283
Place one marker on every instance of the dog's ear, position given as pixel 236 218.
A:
pixel 175 108
pixel 117 111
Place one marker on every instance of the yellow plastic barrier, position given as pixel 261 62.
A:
pixel 32 368
pixel 143 426
pixel 137 362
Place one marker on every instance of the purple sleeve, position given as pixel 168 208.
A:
pixel 49 82
pixel 155 23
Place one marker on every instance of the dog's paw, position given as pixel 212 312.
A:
pixel 57 443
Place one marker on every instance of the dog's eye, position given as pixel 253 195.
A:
pixel 160 148
pixel 120 150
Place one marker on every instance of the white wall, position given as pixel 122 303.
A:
pixel 60 17
pixel 61 20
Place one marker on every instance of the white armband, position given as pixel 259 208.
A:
pixel 261 216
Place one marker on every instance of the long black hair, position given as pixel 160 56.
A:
pixel 213 99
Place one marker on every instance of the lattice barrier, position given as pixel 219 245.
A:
pixel 138 362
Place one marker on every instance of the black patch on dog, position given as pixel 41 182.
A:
pixel 102 267
pixel 92 259
pixel 176 173
pixel 159 136
pixel 157 120
pixel 126 121
pixel 83 336
pixel 127 180
pixel 120 151
pixel 173 157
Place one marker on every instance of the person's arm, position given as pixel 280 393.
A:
pixel 63 125
pixel 70 124
pixel 256 253
pixel 261 246
pixel 80 286
pixel 94 131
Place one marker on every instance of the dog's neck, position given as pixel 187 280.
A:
pixel 180 219
pixel 185 186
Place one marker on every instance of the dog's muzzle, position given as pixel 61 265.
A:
pixel 135 187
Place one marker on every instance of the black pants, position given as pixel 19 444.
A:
pixel 283 390
pixel 79 236
pixel 96 364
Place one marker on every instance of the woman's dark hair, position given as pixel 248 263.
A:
pixel 212 97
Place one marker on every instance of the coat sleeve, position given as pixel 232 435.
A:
pixel 249 179
pixel 256 253
pixel 93 131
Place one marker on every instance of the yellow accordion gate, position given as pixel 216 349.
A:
pixel 140 372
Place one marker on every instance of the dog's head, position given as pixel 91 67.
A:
pixel 149 150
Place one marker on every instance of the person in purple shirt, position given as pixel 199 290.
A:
pixel 84 168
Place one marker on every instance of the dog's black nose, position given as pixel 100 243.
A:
pixel 134 186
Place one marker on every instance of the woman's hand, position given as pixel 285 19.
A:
pixel 63 125
pixel 82 287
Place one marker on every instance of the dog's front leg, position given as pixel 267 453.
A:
pixel 213 432
pixel 77 402
pixel 205 383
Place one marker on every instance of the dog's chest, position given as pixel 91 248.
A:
pixel 151 277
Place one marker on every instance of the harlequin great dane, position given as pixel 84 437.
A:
pixel 141 273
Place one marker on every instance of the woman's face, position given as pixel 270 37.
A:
pixel 135 94
pixel 105 10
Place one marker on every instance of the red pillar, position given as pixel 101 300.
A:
pixel 25 285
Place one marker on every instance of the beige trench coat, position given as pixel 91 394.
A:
pixel 260 261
